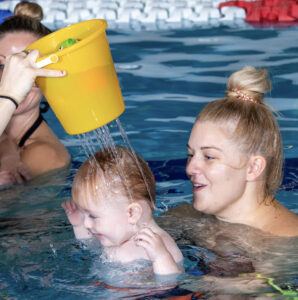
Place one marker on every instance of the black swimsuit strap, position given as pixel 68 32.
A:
pixel 31 130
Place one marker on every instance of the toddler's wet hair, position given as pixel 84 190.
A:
pixel 116 170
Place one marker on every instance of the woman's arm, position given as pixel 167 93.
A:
pixel 18 77
pixel 6 110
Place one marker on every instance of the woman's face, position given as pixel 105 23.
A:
pixel 13 43
pixel 216 168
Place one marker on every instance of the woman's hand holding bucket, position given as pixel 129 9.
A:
pixel 17 80
pixel 20 72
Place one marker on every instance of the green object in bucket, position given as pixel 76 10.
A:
pixel 67 43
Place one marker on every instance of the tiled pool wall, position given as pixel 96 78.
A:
pixel 136 14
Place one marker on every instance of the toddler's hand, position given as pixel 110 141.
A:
pixel 152 243
pixel 74 215
pixel 162 260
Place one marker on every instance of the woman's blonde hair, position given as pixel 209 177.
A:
pixel 255 128
pixel 120 169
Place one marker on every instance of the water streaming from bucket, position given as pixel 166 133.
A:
pixel 126 140
pixel 101 138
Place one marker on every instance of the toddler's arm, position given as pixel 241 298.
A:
pixel 76 219
pixel 162 260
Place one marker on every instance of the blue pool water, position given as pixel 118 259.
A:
pixel 166 78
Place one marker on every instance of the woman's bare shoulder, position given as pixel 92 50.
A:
pixel 41 156
pixel 283 222
pixel 44 152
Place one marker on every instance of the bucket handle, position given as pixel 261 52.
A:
pixel 51 59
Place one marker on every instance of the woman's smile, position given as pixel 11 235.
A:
pixel 198 186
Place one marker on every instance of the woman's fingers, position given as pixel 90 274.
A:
pixel 49 73
pixel 20 72
pixel 18 177
pixel 24 172
pixel 6 177
pixel 32 56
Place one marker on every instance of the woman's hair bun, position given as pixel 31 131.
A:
pixel 28 9
pixel 250 82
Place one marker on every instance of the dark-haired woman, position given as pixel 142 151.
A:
pixel 28 147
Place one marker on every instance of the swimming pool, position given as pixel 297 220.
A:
pixel 166 78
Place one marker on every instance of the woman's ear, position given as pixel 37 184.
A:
pixel 134 212
pixel 257 164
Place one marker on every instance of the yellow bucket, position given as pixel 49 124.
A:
pixel 89 96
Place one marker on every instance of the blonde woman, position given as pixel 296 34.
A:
pixel 235 158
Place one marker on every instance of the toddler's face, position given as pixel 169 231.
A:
pixel 107 218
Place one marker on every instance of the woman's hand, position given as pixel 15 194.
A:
pixel 74 215
pixel 20 72
pixel 6 178
pixel 13 170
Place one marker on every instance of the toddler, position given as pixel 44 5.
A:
pixel 111 202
